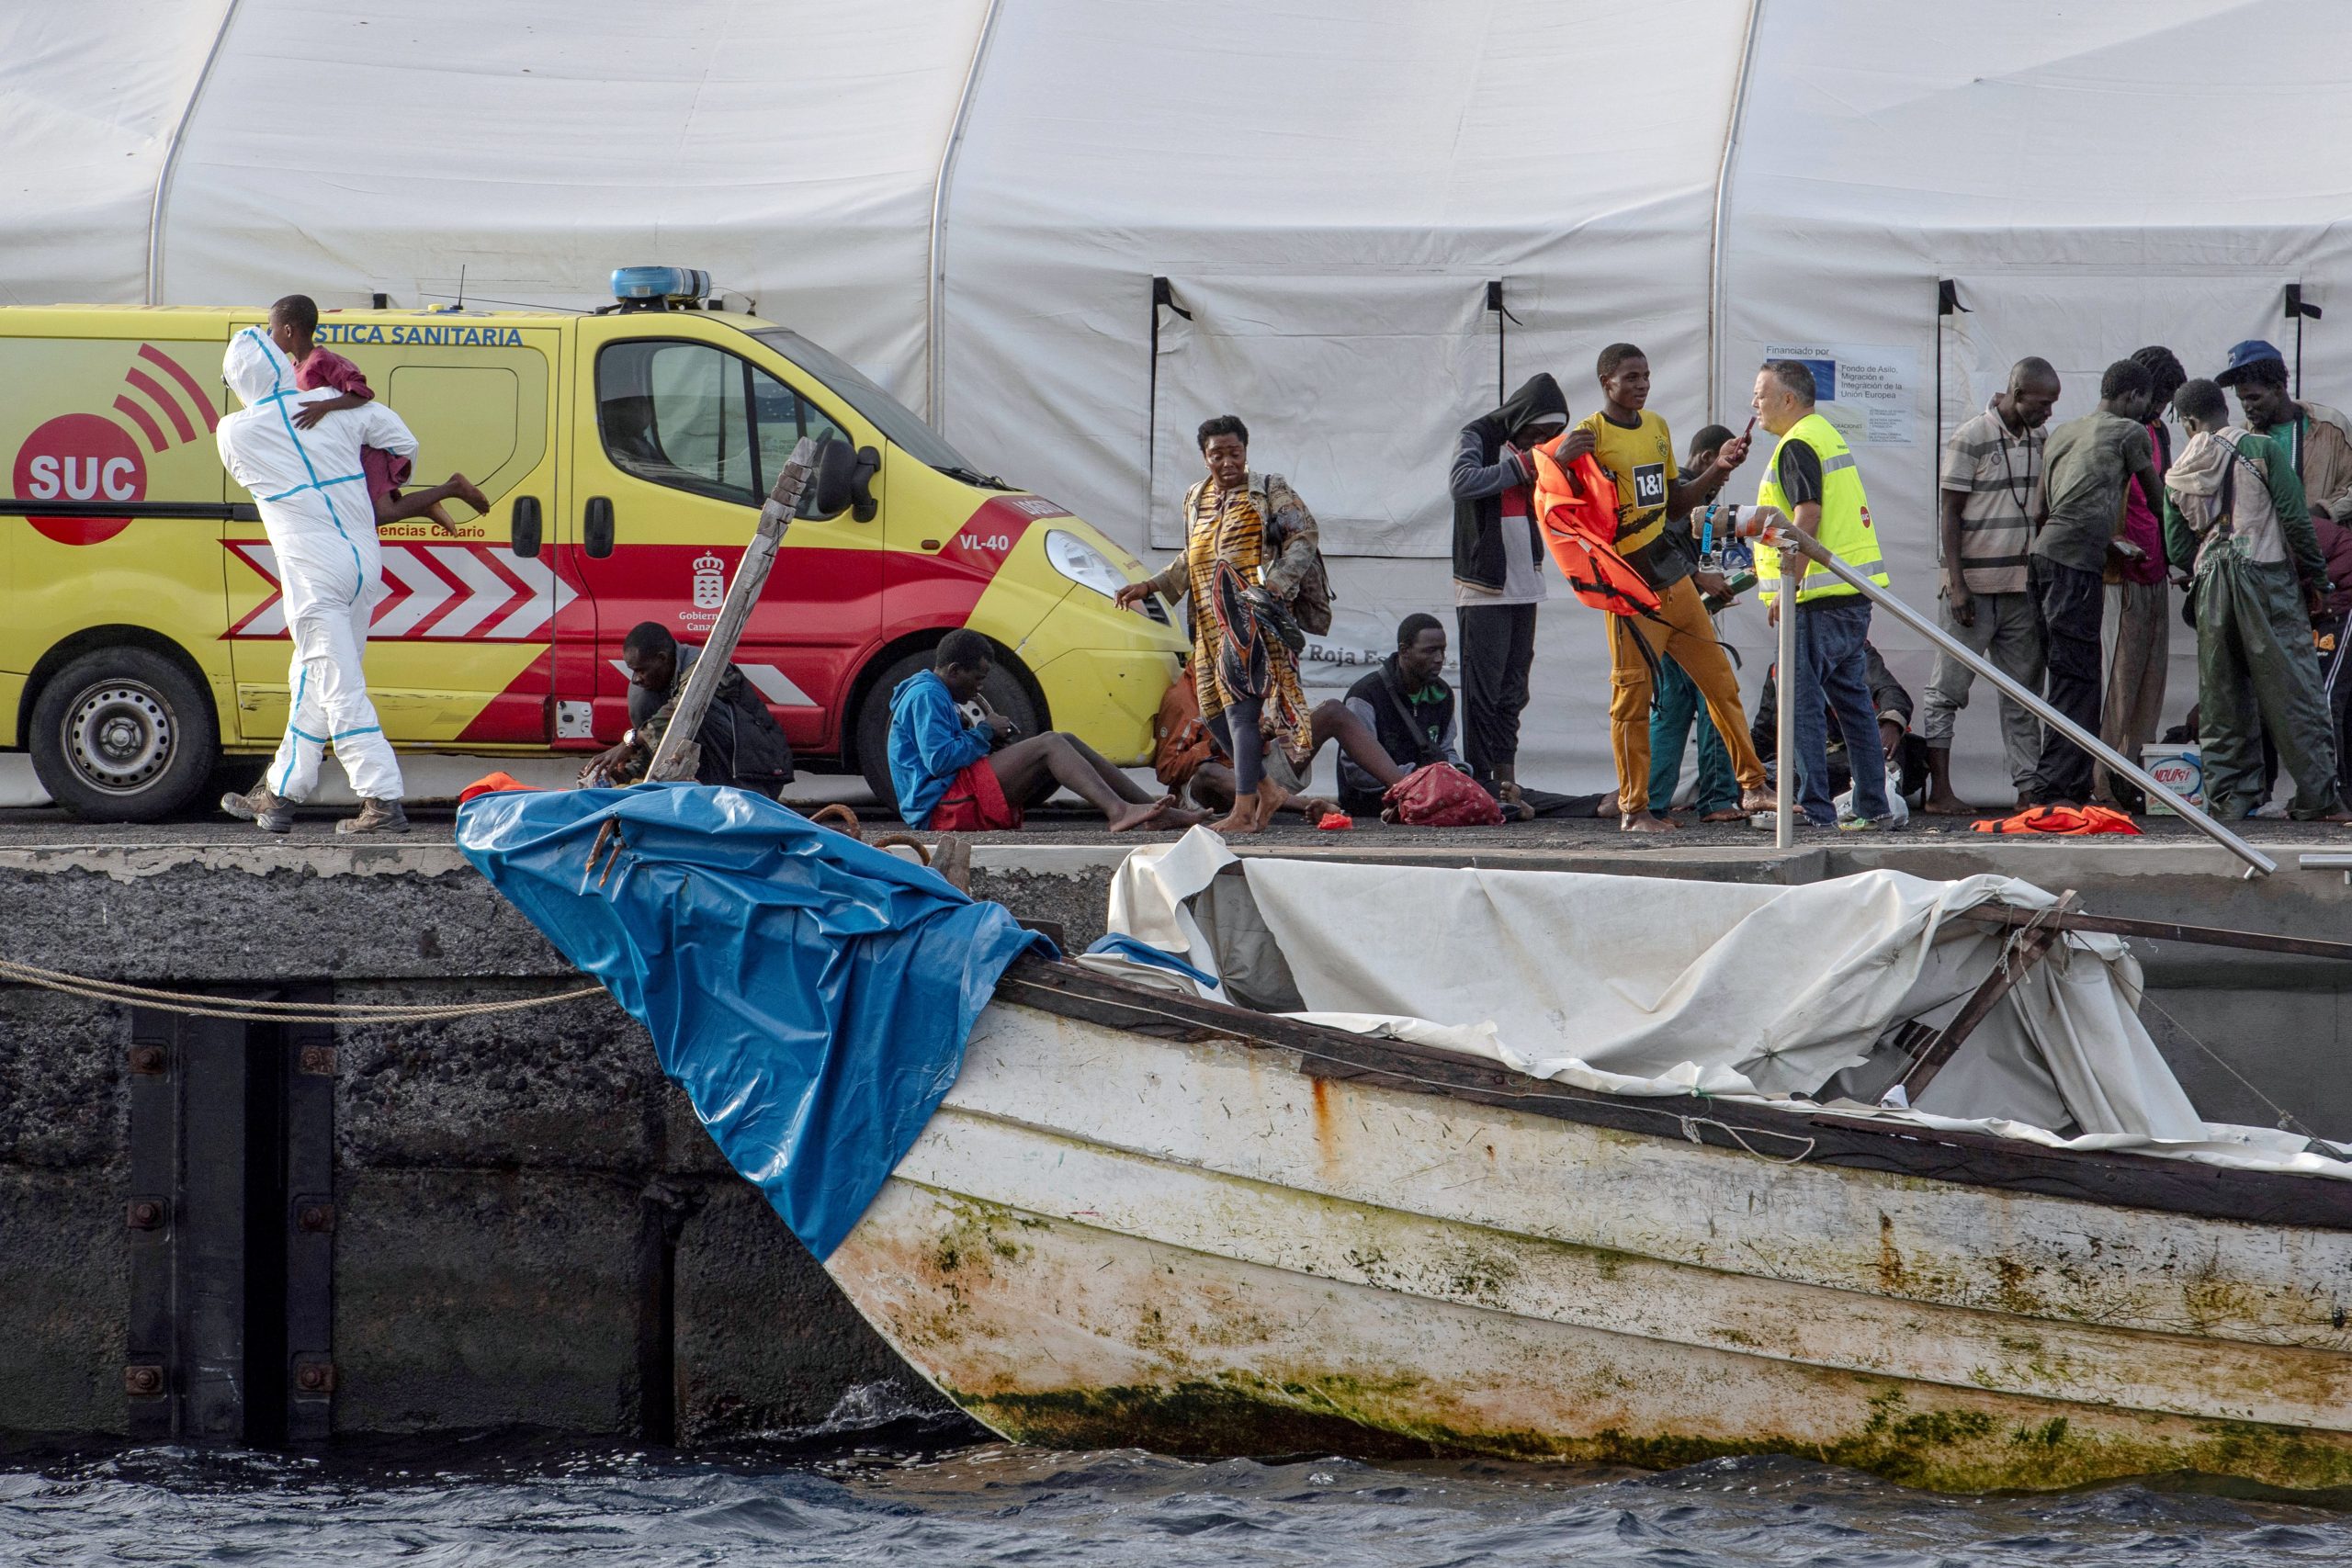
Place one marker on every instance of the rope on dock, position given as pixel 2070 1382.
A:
pixel 242 1009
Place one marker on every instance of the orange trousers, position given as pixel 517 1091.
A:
pixel 1683 632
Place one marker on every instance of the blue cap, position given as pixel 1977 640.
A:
pixel 2251 352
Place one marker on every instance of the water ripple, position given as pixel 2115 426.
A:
pixel 515 1501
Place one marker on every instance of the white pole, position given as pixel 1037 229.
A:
pixel 1821 556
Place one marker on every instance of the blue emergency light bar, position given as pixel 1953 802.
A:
pixel 672 283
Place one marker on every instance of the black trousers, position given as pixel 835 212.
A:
pixel 1497 648
pixel 2072 604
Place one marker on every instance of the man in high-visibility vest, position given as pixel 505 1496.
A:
pixel 1811 485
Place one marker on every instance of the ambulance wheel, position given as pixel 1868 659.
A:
pixel 1004 689
pixel 123 735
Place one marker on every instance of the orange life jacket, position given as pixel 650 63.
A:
pixel 1575 506
pixel 2063 819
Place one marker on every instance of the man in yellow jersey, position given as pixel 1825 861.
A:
pixel 1813 486
pixel 1637 450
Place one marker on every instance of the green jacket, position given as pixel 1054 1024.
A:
pixel 2286 499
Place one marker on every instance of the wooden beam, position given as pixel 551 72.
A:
pixel 2019 954
pixel 2162 931
pixel 679 754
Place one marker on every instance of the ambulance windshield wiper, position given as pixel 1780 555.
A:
pixel 973 477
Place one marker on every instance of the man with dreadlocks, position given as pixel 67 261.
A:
pixel 1250 542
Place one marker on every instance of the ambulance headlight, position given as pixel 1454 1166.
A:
pixel 660 283
pixel 1082 563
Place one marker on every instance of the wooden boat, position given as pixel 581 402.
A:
pixel 1146 1219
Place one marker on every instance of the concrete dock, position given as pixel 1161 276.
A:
pixel 529 1228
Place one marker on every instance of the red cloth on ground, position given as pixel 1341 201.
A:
pixel 974 803
pixel 2063 819
pixel 386 473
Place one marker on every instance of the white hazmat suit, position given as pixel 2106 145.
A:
pixel 322 525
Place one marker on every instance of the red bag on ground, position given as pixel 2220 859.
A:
pixel 2063 819
pixel 1440 795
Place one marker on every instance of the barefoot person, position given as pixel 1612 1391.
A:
pixel 1991 465
pixel 1634 448
pixel 293 327
pixel 954 777
pixel 1248 542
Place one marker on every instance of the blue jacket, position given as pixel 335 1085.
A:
pixel 929 744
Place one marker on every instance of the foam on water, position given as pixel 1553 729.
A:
pixel 509 1502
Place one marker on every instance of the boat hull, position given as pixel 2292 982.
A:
pixel 1109 1238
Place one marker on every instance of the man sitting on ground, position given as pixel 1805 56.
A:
pixel 953 777
pixel 740 742
pixel 1408 707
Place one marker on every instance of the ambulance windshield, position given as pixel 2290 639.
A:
pixel 887 414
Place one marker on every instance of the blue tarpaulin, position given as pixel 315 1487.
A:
pixel 810 994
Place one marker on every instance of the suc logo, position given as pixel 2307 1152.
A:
pixel 81 457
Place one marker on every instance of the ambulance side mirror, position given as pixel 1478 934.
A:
pixel 523 535
pixel 844 479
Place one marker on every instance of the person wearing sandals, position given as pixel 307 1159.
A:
pixel 1249 543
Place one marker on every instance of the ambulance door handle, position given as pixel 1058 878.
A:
pixel 524 536
pixel 596 530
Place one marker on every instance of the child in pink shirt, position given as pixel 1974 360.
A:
pixel 293 326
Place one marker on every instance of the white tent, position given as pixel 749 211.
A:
pixel 974 199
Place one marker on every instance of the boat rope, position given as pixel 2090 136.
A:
pixel 2287 1121
pixel 242 1010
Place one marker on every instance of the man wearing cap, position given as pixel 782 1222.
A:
pixel 2315 439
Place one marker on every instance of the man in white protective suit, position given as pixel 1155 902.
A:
pixel 315 508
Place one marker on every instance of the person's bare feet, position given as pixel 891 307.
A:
pixel 1643 822
pixel 1271 798
pixel 1760 799
pixel 1947 806
pixel 1729 814
pixel 1242 818
pixel 1181 816
pixel 1136 814
pixel 464 490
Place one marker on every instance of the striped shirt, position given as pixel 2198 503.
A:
pixel 1995 470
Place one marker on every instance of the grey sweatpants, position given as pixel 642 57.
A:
pixel 2009 631
pixel 2138 632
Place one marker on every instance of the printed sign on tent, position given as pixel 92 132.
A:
pixel 1865 390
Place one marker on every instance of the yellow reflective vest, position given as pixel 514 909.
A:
pixel 1845 514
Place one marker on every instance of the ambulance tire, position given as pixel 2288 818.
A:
pixel 1005 692
pixel 123 735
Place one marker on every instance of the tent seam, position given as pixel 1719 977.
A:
pixel 1715 324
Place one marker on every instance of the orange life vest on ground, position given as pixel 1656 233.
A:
pixel 1575 507
pixel 2063 819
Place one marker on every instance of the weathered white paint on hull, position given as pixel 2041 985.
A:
pixel 1106 1238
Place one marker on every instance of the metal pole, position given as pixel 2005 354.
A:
pixel 1827 560
pixel 676 756
pixel 1784 719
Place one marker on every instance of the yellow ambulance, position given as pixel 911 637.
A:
pixel 625 454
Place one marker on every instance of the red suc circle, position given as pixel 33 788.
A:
pixel 80 456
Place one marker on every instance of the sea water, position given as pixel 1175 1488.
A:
pixel 913 1505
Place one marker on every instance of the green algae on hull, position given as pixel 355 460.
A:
pixel 1941 1449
